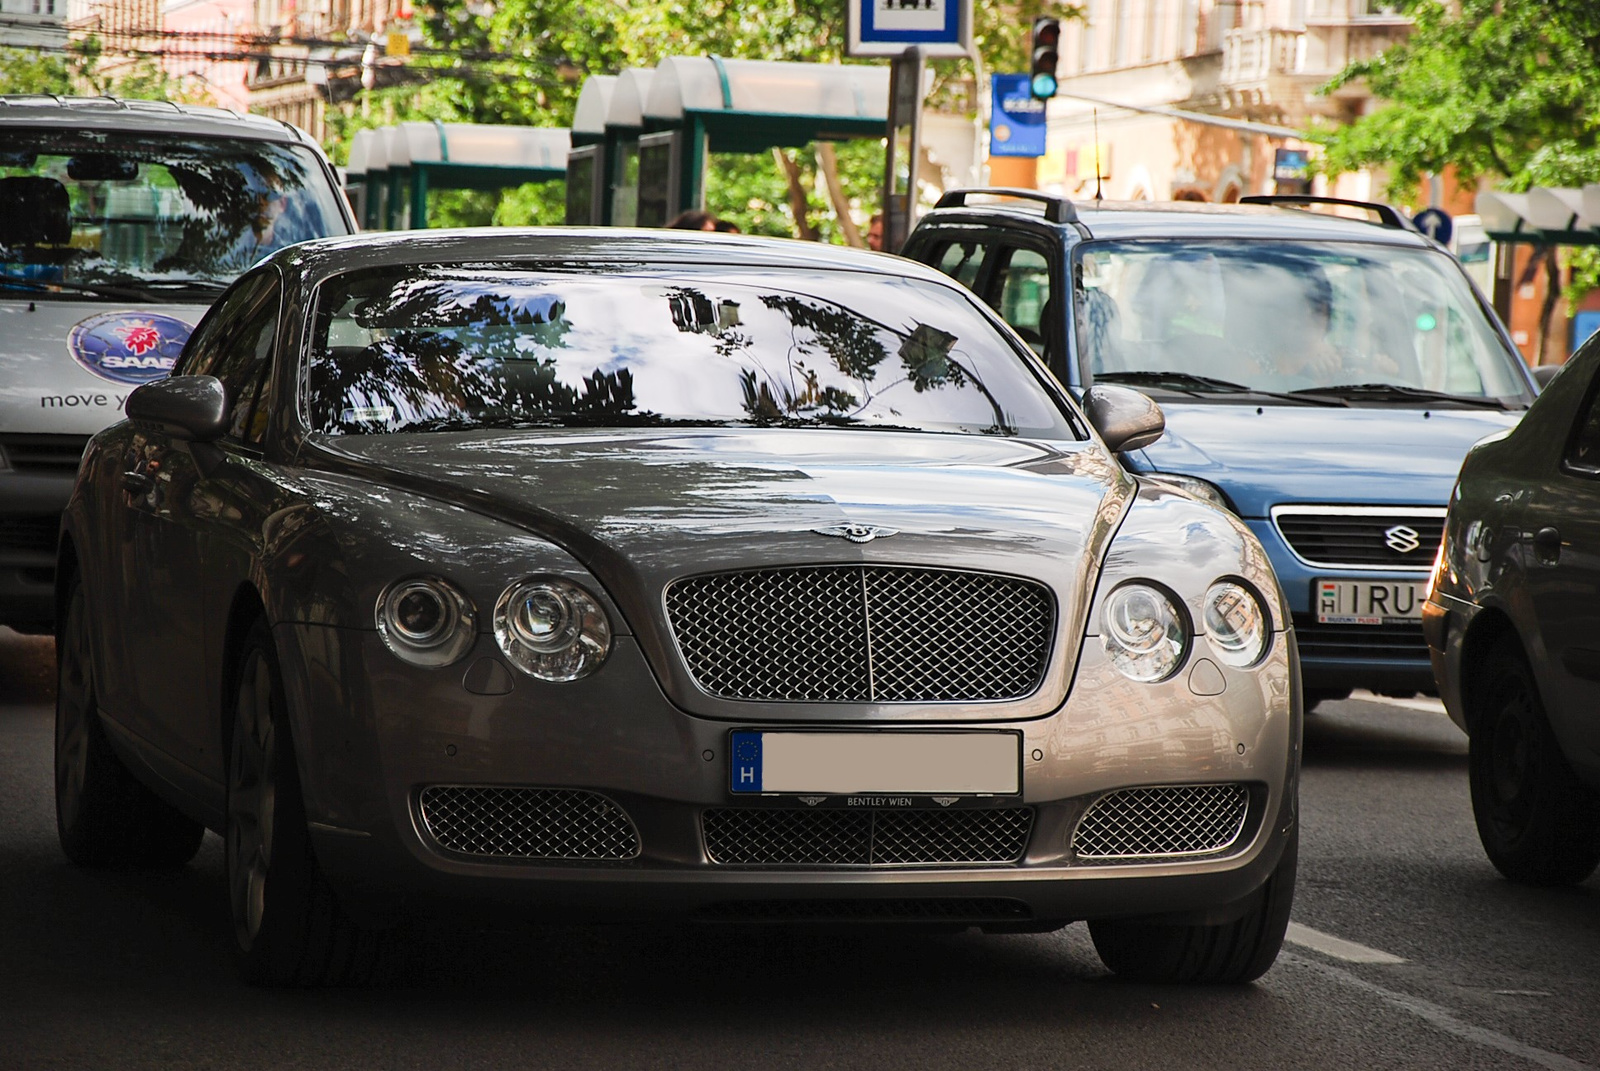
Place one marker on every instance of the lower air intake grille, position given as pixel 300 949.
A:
pixel 44 454
pixel 1384 643
pixel 527 823
pixel 781 836
pixel 35 535
pixel 1162 823
pixel 953 909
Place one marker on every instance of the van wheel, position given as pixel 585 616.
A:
pixel 1237 951
pixel 1538 823
pixel 105 817
pixel 287 923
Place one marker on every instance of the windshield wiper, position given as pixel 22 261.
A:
pixel 1401 392
pixel 50 286
pixel 1189 383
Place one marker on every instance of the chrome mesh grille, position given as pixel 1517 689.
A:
pixel 1362 538
pixel 973 909
pixel 1160 823
pixel 527 823
pixel 842 634
pixel 782 836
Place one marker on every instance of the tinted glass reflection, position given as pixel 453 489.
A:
pixel 428 348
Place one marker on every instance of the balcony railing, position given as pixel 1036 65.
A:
pixel 1256 55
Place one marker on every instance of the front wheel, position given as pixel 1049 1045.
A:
pixel 1538 823
pixel 290 929
pixel 105 817
pixel 1237 951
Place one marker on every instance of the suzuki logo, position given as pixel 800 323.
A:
pixel 1402 539
pixel 857 533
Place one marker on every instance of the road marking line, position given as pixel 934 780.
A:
pixel 1441 1017
pixel 1337 947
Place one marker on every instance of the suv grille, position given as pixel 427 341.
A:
pixel 851 634
pixel 32 535
pixel 1162 823
pixel 1389 643
pixel 527 823
pixel 57 454
pixel 782 836
pixel 1359 538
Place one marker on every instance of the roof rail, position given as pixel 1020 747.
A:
pixel 1056 209
pixel 1388 215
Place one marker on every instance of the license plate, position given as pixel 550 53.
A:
pixel 980 763
pixel 1369 602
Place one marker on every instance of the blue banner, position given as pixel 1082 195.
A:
pixel 1017 120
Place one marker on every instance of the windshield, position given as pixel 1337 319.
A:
pixel 433 347
pixel 116 215
pixel 1288 317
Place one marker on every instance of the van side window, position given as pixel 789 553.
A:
pixel 1020 289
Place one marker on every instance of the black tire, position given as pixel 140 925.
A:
pixel 1234 952
pixel 288 926
pixel 105 817
pixel 1538 823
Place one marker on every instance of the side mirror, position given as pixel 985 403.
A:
pixel 1125 418
pixel 190 408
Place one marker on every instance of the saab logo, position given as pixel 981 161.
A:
pixel 1402 539
pixel 128 347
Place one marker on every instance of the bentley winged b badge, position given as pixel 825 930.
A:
pixel 857 533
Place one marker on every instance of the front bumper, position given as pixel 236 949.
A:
pixel 373 733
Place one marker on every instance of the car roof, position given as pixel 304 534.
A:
pixel 147 116
pixel 1181 219
pixel 617 247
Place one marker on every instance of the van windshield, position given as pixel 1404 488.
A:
pixel 1339 323
pixel 119 216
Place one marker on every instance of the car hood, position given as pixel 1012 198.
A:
pixel 67 367
pixel 1262 456
pixel 643 508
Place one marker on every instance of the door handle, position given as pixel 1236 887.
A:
pixel 137 482
pixel 1547 545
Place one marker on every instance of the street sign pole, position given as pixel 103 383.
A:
pixel 906 73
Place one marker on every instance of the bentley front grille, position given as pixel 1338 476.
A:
pixel 1362 536
pixel 782 836
pixel 859 634
pixel 943 909
pixel 527 823
pixel 1155 824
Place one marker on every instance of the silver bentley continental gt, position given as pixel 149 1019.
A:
pixel 570 574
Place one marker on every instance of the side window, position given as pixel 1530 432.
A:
pixel 1021 289
pixel 206 346
pixel 1583 449
pixel 245 365
pixel 961 260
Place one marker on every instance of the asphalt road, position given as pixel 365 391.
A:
pixel 1408 951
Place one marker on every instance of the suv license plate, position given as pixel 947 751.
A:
pixel 1369 602
pixel 957 763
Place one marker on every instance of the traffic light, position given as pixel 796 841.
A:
pixel 1046 51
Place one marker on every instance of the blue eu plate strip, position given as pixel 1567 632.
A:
pixel 745 769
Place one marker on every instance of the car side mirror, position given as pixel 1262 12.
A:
pixel 1125 418
pixel 190 408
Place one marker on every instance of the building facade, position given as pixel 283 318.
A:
pixel 37 24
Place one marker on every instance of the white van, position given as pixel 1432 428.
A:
pixel 120 222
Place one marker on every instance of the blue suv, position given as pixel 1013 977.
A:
pixel 1322 377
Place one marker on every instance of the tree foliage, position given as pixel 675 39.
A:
pixel 81 69
pixel 1492 87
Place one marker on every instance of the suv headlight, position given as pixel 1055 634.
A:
pixel 425 621
pixel 1204 490
pixel 1236 624
pixel 1145 632
pixel 552 629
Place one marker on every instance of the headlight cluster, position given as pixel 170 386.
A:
pixel 547 626
pixel 1147 633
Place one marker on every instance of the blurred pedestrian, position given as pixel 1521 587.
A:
pixel 694 219
pixel 875 232
pixel 727 226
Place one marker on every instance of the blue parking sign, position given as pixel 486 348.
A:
pixel 1017 118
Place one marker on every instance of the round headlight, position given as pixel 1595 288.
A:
pixel 551 628
pixel 425 621
pixel 1145 633
pixel 1236 625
